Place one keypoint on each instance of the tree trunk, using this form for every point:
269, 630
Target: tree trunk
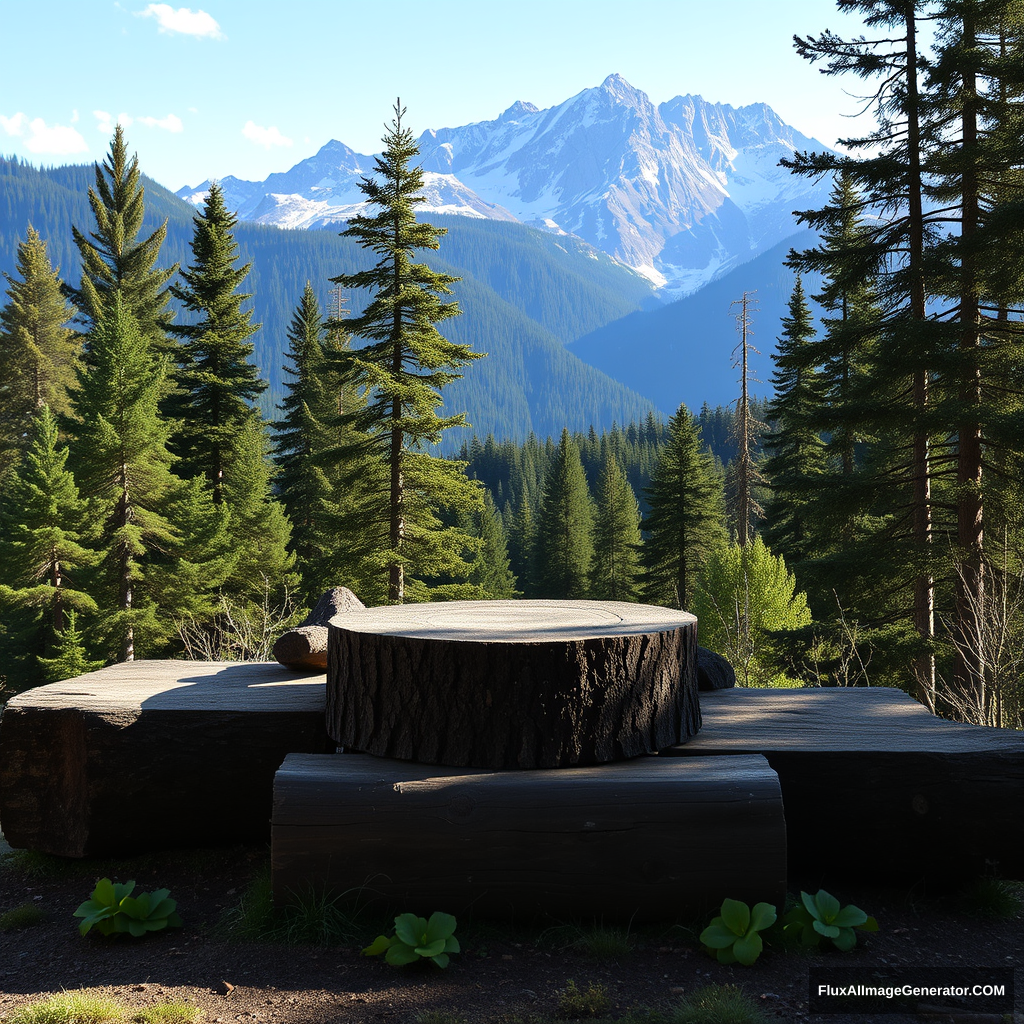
513, 684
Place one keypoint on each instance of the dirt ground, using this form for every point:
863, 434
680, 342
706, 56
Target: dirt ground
502, 976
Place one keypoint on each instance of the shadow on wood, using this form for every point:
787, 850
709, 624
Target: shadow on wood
876, 786
649, 839
152, 754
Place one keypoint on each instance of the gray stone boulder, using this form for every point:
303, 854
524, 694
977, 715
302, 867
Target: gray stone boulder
713, 671
305, 646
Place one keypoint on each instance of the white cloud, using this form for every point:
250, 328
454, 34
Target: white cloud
74, 117
265, 137
183, 20
14, 125
170, 123
105, 122
51, 140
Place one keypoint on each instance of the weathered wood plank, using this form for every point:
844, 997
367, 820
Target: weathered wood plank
874, 785
512, 684
152, 754
648, 839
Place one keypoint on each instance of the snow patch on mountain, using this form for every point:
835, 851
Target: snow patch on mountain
681, 192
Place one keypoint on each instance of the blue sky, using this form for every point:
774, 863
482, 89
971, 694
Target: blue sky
247, 87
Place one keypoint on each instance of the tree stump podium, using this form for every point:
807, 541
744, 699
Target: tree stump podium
512, 684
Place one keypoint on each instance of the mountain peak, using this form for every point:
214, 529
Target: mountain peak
517, 110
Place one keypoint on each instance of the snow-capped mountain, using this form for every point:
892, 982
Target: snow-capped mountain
681, 192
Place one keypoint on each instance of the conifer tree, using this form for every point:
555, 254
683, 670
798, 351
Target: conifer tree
402, 368
216, 381
744, 478
45, 552
615, 575
113, 257
565, 528
38, 351
258, 524
122, 460
686, 521
70, 659
796, 452
491, 572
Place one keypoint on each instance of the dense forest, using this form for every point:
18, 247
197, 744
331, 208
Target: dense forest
862, 527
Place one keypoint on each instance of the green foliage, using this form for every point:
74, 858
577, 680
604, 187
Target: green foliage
24, 916
113, 261
821, 916
70, 660
574, 1003
718, 1004
69, 1008
167, 1013
45, 549
744, 595
565, 529
403, 368
122, 461
687, 515
112, 910
733, 936
417, 938
216, 383
38, 352
615, 572
996, 898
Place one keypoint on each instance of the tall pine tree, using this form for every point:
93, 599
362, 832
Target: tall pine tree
403, 367
565, 528
216, 381
114, 259
687, 515
615, 574
38, 351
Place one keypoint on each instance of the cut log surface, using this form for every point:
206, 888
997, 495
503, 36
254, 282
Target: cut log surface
875, 785
648, 839
512, 684
151, 754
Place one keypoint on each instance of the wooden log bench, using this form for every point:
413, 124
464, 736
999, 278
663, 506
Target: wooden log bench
512, 684
648, 839
874, 785
152, 754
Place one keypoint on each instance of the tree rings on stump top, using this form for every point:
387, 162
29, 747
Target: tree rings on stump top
513, 684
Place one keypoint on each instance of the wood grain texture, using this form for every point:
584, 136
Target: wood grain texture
648, 839
152, 754
874, 785
512, 684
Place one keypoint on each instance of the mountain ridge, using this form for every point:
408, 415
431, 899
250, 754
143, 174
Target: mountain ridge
681, 192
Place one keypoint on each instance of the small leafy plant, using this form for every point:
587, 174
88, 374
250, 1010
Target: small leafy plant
821, 917
112, 910
733, 935
416, 938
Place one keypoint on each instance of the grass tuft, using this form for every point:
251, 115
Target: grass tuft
24, 916
168, 1013
994, 897
313, 917
718, 1004
574, 1003
68, 1008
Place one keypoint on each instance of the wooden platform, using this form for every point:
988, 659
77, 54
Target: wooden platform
873, 784
152, 754
639, 840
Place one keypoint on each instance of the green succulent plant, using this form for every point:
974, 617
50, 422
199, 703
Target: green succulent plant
417, 938
733, 935
821, 916
112, 910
